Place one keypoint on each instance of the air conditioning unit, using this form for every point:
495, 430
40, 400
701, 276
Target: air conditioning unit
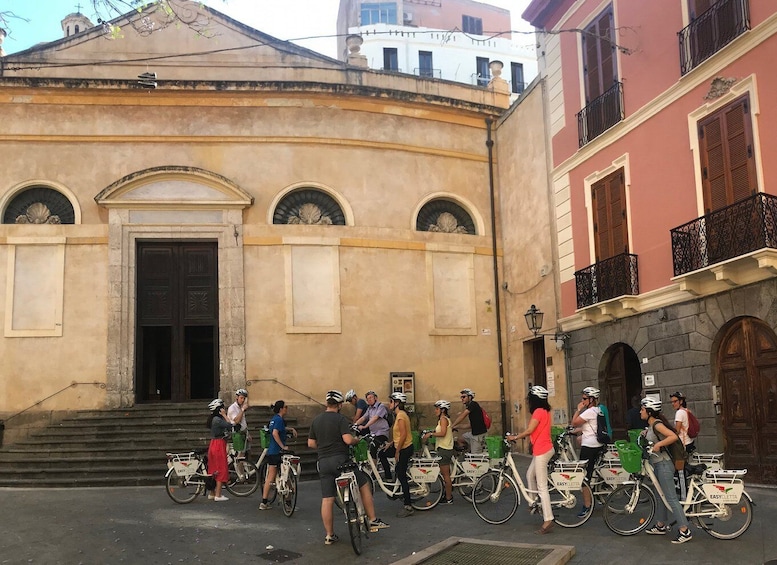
407, 17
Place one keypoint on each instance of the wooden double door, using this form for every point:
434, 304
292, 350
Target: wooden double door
177, 321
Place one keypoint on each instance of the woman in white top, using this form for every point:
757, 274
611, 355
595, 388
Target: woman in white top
681, 420
444, 442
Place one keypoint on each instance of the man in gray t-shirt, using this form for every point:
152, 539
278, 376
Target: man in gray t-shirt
375, 422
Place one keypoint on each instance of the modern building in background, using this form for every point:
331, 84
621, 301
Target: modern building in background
441, 39
664, 175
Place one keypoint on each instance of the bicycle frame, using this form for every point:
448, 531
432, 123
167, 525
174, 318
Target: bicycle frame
289, 465
460, 478
393, 489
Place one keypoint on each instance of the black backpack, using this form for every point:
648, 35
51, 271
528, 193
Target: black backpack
390, 417
601, 429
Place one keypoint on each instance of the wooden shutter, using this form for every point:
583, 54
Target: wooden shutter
698, 7
608, 198
727, 155
599, 68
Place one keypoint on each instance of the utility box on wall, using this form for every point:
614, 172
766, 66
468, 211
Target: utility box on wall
403, 382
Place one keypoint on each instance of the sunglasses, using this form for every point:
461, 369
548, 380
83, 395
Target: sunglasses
586, 397
463, 397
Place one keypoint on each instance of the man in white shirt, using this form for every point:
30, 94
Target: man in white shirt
237, 415
585, 419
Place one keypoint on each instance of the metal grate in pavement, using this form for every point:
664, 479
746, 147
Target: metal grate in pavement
466, 551
279, 555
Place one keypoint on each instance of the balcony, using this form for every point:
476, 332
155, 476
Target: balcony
608, 279
711, 31
425, 72
600, 115
733, 231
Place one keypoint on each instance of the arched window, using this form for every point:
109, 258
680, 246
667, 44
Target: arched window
444, 216
39, 205
308, 206
77, 29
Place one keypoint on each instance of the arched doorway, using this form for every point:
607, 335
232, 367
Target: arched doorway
747, 371
620, 378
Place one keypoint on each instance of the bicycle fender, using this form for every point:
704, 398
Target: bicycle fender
744, 492
170, 470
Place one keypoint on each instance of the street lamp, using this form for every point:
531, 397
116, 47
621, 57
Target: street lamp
534, 318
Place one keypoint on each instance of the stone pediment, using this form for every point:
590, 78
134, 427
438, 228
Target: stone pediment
174, 188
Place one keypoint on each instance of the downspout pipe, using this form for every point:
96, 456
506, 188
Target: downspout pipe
497, 301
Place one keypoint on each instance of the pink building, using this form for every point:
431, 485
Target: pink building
664, 176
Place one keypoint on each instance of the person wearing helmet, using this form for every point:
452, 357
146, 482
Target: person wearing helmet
584, 418
542, 450
477, 425
278, 435
359, 403
401, 448
375, 421
444, 442
330, 435
680, 404
237, 415
662, 434
219, 426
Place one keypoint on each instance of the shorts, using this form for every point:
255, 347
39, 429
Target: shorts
327, 471
274, 460
475, 441
445, 455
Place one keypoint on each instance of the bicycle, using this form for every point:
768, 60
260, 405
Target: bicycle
499, 492
287, 482
349, 498
466, 468
261, 464
716, 500
187, 475
244, 477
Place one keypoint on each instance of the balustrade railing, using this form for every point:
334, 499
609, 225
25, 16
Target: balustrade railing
712, 30
613, 277
738, 229
600, 114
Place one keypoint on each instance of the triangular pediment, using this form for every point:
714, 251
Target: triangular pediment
174, 188
200, 43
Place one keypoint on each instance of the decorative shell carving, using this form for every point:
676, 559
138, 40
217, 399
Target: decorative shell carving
719, 86
447, 223
310, 214
37, 213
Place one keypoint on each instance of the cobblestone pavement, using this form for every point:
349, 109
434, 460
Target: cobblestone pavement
142, 525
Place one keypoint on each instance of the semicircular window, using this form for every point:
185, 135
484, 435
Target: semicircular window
444, 216
308, 206
39, 205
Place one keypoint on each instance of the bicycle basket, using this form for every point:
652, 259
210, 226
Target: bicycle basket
475, 464
185, 464
264, 437
612, 472
425, 470
239, 441
360, 451
723, 486
569, 475
630, 455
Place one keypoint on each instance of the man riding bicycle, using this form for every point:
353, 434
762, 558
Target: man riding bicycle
477, 433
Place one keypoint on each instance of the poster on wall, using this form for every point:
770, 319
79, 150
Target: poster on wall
404, 382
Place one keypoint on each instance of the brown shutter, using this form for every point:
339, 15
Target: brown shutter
591, 65
608, 197
698, 7
606, 51
727, 156
599, 56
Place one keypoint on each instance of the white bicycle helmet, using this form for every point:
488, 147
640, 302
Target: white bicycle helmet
349, 395
592, 392
468, 392
335, 395
651, 403
443, 404
241, 392
398, 397
215, 403
539, 391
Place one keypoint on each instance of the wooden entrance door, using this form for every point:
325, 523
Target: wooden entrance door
177, 321
622, 380
747, 361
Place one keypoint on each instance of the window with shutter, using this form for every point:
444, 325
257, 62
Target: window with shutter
599, 63
727, 155
608, 197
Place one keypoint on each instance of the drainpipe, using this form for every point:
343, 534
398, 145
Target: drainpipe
497, 305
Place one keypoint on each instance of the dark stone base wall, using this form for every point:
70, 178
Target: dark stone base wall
680, 344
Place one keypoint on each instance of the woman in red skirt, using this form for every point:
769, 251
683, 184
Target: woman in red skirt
217, 451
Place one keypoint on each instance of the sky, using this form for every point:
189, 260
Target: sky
284, 19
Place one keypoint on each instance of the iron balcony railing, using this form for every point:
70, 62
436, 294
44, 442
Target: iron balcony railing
427, 72
613, 277
600, 115
743, 227
711, 31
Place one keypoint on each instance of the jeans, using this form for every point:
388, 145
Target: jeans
665, 474
537, 479
401, 469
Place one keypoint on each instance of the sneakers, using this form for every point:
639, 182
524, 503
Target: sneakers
329, 540
264, 506
211, 496
405, 512
447, 500
683, 536
583, 512
221, 498
378, 524
658, 530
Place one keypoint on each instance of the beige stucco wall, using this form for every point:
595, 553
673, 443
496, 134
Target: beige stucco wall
529, 268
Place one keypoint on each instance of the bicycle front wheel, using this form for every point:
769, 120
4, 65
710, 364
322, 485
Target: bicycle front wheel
425, 496
732, 522
180, 489
246, 481
289, 496
496, 497
354, 527
629, 509
568, 506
